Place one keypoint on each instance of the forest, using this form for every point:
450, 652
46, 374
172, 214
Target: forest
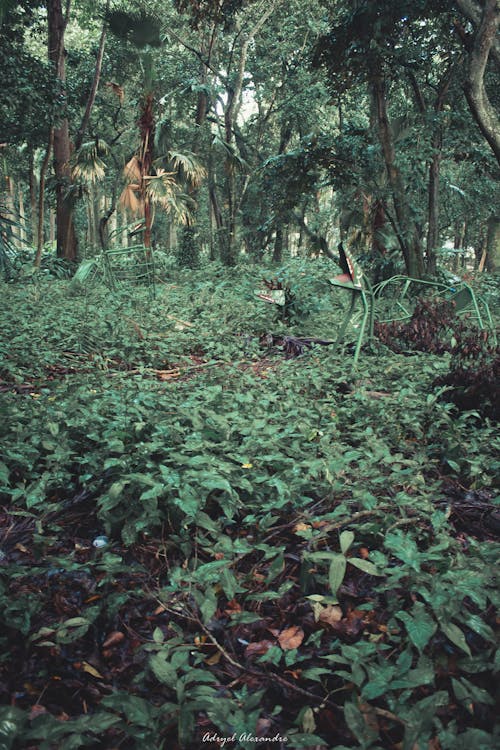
249, 374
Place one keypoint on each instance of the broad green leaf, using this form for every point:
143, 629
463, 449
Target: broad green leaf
163, 670
466, 692
365, 565
420, 626
357, 723
455, 635
346, 539
336, 573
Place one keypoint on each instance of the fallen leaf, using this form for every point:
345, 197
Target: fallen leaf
86, 667
233, 608
301, 527
330, 614
258, 648
93, 598
291, 637
113, 639
319, 524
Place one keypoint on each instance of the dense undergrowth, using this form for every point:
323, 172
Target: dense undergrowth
298, 555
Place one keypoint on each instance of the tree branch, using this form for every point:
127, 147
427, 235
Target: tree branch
474, 88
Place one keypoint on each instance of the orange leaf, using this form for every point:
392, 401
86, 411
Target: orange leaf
113, 639
301, 527
291, 637
232, 608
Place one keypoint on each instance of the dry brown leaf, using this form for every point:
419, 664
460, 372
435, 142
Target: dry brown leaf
167, 374
233, 608
258, 648
113, 639
116, 89
301, 527
330, 614
319, 524
291, 638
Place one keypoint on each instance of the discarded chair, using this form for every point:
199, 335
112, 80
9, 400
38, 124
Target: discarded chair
134, 265
357, 284
398, 292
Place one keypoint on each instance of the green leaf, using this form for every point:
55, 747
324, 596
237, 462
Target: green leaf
346, 539
466, 692
365, 565
357, 723
163, 670
455, 635
420, 626
336, 573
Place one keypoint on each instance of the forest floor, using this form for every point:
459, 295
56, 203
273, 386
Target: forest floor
208, 542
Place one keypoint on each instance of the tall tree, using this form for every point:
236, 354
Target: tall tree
67, 245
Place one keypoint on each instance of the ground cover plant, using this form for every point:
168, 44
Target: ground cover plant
203, 537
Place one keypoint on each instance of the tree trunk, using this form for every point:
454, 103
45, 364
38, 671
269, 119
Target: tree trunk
404, 225
41, 200
22, 215
475, 91
11, 209
147, 129
433, 212
67, 246
493, 244
52, 228
95, 85
278, 246
33, 200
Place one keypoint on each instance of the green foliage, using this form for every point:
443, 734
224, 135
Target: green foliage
274, 525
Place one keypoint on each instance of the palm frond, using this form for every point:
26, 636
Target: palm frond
87, 164
132, 170
130, 200
230, 154
188, 167
163, 190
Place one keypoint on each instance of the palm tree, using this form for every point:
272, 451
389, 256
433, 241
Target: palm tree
150, 179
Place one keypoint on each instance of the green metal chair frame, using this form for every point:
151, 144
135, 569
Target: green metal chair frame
360, 289
141, 272
356, 282
461, 295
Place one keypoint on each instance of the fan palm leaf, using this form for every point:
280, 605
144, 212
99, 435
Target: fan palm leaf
87, 164
188, 167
